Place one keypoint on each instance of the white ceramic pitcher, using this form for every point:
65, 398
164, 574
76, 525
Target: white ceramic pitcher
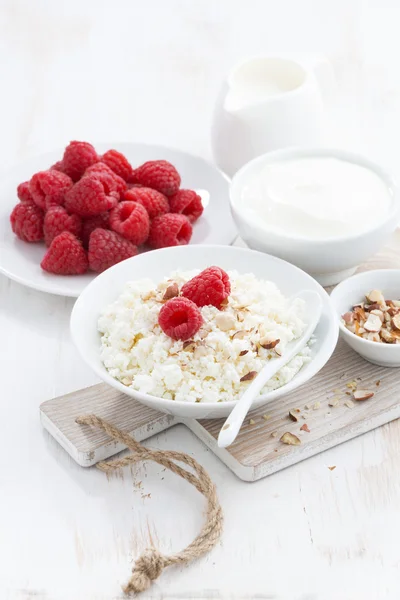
268, 103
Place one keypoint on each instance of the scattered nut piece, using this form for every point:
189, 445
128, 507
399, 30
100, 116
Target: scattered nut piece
266, 417
375, 296
317, 405
274, 434
249, 376
349, 404
171, 292
304, 427
240, 335
308, 406
396, 322
348, 318
243, 352
293, 415
332, 468
333, 401
378, 383
373, 323
363, 394
290, 439
267, 343
189, 345
252, 422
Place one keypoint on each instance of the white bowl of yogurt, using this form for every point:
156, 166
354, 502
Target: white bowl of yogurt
325, 211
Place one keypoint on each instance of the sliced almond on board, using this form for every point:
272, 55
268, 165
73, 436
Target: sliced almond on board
294, 414
304, 427
290, 439
363, 394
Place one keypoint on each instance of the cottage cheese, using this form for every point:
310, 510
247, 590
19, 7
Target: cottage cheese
135, 350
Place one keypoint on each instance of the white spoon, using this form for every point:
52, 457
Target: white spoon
232, 425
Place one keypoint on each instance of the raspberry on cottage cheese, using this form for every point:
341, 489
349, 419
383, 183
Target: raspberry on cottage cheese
214, 365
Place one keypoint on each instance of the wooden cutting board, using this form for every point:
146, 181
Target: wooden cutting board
257, 451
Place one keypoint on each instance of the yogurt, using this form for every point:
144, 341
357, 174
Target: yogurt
316, 197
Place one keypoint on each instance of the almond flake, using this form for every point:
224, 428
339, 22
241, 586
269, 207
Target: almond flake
304, 427
375, 296
363, 394
249, 376
240, 335
349, 404
266, 417
333, 401
274, 434
252, 422
171, 292
317, 405
293, 416
290, 439
332, 468
396, 322
374, 323
189, 345
268, 343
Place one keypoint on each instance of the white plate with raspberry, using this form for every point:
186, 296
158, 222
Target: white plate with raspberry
93, 209
120, 331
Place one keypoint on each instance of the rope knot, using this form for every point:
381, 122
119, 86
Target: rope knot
147, 568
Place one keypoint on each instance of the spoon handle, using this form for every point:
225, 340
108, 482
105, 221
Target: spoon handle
234, 422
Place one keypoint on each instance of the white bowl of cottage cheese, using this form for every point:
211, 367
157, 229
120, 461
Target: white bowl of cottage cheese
326, 211
117, 328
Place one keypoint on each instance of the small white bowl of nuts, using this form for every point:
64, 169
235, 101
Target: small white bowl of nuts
368, 308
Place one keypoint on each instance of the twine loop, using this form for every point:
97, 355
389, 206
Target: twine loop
151, 562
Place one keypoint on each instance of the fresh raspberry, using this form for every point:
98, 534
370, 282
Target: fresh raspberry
27, 222
100, 168
188, 203
23, 192
130, 185
169, 230
78, 156
66, 256
180, 319
58, 166
92, 195
130, 219
48, 188
118, 163
107, 248
159, 175
101, 221
211, 286
58, 220
155, 203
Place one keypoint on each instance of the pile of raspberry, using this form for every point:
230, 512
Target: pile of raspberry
180, 317
94, 211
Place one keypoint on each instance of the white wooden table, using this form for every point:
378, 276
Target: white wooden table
149, 71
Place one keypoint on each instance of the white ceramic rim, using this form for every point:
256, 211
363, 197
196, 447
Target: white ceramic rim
299, 379
294, 151
290, 59
346, 333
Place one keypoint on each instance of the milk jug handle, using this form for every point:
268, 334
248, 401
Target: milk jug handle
324, 75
